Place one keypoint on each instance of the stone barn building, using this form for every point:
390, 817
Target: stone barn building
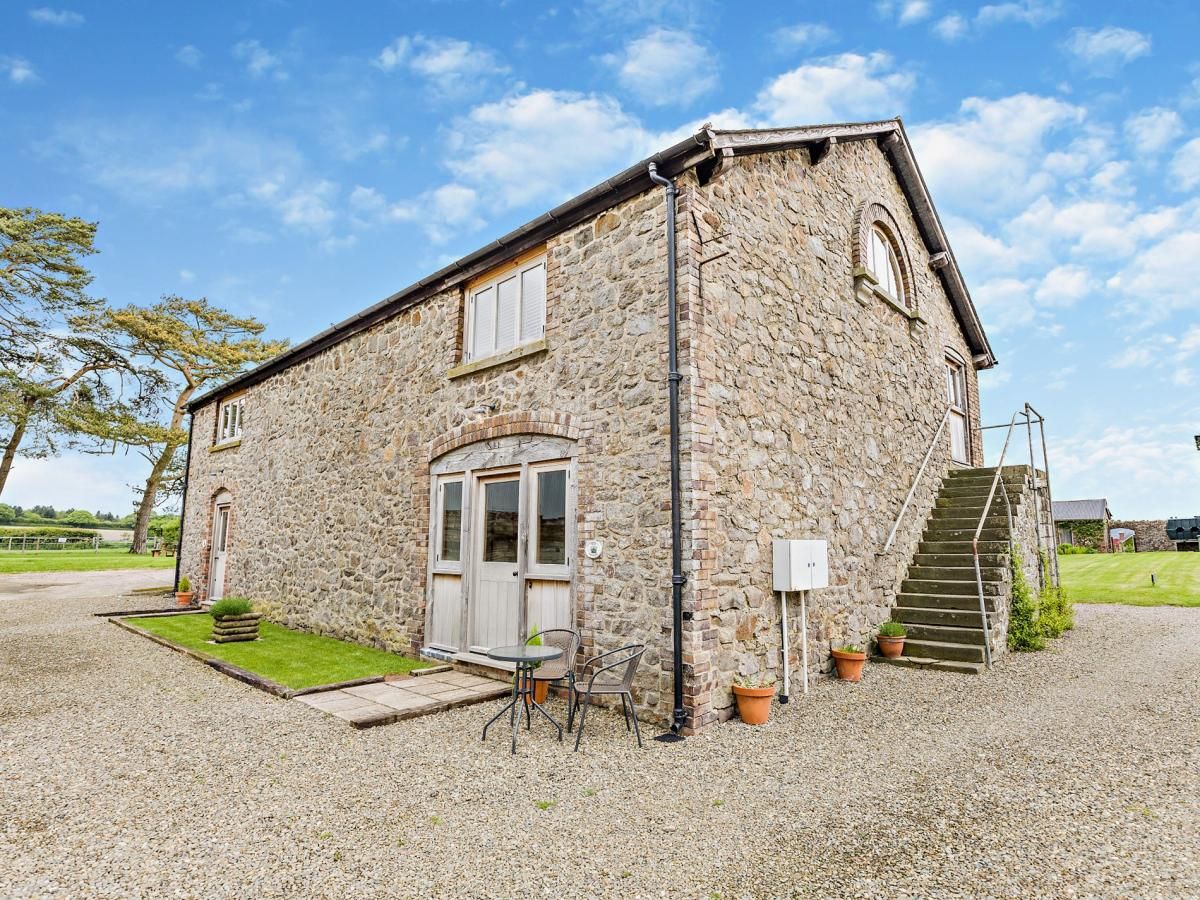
487, 451
1084, 523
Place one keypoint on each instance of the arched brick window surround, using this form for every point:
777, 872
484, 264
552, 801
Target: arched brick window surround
871, 215
503, 425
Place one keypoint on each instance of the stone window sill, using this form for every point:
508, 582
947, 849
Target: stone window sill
867, 290
498, 359
225, 445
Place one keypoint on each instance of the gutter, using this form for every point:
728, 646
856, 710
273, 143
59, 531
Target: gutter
679, 715
187, 469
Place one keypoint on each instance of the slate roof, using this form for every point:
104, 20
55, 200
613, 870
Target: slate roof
1079, 510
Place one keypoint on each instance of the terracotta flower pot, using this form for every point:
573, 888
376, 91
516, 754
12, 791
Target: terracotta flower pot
891, 647
754, 704
849, 665
541, 690
184, 598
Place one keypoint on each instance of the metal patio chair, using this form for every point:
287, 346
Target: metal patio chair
563, 668
611, 673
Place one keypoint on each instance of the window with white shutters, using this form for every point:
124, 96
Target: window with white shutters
507, 310
229, 420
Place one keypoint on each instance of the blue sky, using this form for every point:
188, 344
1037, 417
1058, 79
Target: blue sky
299, 161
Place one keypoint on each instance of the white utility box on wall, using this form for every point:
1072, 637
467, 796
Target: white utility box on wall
801, 565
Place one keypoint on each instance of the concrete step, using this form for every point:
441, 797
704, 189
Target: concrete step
935, 532
963, 560
963, 545
925, 649
934, 665
997, 519
956, 588
947, 601
909, 615
959, 568
955, 634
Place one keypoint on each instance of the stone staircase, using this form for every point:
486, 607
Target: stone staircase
938, 601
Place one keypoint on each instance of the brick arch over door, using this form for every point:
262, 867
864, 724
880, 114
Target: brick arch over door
502, 425
869, 215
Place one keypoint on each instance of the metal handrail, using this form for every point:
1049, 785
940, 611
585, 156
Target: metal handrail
916, 480
996, 479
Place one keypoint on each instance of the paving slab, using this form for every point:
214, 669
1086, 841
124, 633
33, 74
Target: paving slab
367, 705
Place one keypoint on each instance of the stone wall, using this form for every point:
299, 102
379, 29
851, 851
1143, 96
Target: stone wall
805, 413
1149, 534
820, 408
330, 481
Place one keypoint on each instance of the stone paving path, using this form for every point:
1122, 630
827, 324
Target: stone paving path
391, 701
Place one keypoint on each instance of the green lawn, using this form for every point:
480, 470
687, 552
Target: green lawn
79, 561
1125, 578
294, 659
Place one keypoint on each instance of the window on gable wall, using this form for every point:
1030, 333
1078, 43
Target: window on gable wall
229, 420
507, 310
885, 266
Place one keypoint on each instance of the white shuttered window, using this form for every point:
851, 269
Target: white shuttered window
508, 310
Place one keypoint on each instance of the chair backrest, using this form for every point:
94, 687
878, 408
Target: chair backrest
627, 657
565, 639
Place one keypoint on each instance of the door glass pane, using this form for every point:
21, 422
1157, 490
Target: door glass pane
451, 549
552, 518
483, 323
222, 528
500, 521
506, 315
533, 302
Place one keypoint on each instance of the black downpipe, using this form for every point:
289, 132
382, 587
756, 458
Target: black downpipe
187, 468
677, 578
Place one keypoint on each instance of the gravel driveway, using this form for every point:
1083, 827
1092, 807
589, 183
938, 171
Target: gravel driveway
129, 770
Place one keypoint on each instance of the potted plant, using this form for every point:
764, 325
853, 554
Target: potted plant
234, 620
541, 689
754, 694
183, 596
891, 639
849, 660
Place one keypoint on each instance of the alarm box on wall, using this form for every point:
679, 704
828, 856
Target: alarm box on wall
801, 565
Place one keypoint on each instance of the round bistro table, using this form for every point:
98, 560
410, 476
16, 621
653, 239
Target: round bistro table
527, 658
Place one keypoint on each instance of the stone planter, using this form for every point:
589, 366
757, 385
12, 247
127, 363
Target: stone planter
230, 629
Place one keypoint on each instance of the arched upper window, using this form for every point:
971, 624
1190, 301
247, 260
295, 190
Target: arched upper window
881, 266
885, 265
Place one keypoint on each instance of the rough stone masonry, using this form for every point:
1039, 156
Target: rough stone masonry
807, 409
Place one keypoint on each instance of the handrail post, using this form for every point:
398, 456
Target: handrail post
1049, 495
1037, 507
987, 628
916, 480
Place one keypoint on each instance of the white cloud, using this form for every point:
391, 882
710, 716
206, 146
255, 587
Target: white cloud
260, 62
333, 244
1162, 277
1185, 165
994, 153
1137, 355
665, 67
1027, 12
394, 54
1105, 50
848, 86
905, 12
805, 35
1130, 464
951, 27
60, 18
17, 70
187, 275
1005, 303
189, 56
1066, 285
1152, 130
452, 68
366, 200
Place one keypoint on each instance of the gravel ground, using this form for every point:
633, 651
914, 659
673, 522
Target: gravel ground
129, 770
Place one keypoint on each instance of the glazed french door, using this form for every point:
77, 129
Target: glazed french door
494, 612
